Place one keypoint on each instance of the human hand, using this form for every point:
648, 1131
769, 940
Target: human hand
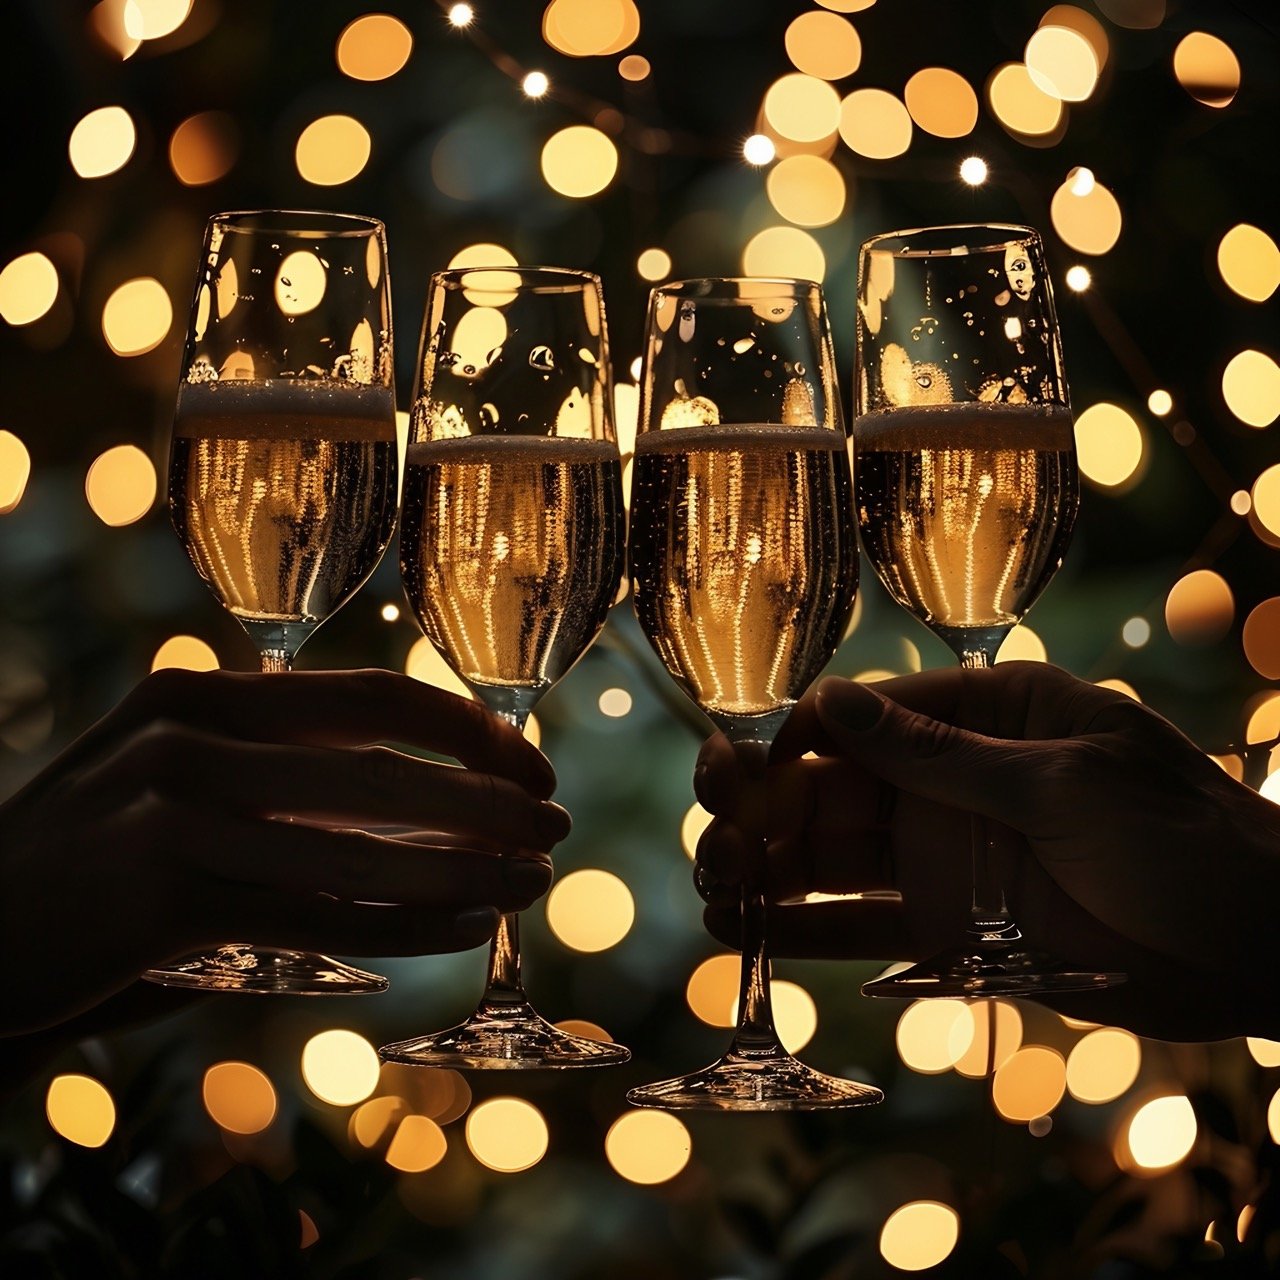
214, 806
1120, 844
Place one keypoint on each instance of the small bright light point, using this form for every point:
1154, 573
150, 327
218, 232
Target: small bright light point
80, 1109
340, 1067
648, 1147
1080, 180
1161, 1133
758, 149
238, 1097
535, 84
635, 369
919, 1235
1160, 403
614, 703
1136, 632
1241, 502
461, 15
507, 1134
654, 264
973, 170
1078, 278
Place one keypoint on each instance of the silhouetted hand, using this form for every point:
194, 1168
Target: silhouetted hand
1120, 844
217, 807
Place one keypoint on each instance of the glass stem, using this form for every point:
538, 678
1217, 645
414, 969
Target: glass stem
989, 918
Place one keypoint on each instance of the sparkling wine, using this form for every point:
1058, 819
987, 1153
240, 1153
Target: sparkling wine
966, 509
744, 561
511, 551
284, 491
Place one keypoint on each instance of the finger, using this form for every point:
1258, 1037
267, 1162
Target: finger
367, 786
717, 775
336, 709
871, 929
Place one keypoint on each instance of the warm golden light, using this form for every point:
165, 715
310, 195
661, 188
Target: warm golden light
823, 45
758, 149
933, 1035
942, 102
371, 1121
373, 47
654, 264
1103, 1064
590, 28
424, 663
634, 68
1020, 104
461, 15
806, 189
1136, 632
102, 142
695, 822
648, 1147
1207, 69
1088, 223
784, 252
875, 124
1067, 15
1062, 62
507, 1134
1078, 278
1161, 1133
1265, 499
107, 20
802, 108
15, 471
80, 1109
1109, 445
535, 84
332, 150
203, 148
919, 1235
973, 170
1241, 502
1266, 1053
419, 1144
153, 19
28, 288
1022, 644
1262, 638
340, 1067
1030, 1084
581, 1027
1120, 686
1251, 388
1160, 403
579, 161
795, 1016
300, 282
1249, 262
186, 653
712, 990
979, 1059
590, 910
846, 6
137, 317
614, 703
1200, 608
1263, 723
121, 485
238, 1097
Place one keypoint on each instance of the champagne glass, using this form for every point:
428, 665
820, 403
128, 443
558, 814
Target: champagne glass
511, 547
744, 566
967, 491
282, 470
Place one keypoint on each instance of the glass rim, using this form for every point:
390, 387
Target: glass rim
298, 222
716, 288
531, 279
996, 237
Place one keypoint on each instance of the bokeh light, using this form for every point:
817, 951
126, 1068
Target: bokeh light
1062, 62
941, 102
15, 471
535, 84
648, 1147
1020, 104
802, 108
423, 662
634, 68
203, 148
806, 189
238, 1097
758, 149
1200, 608
933, 1035
1103, 1064
186, 653
1264, 499
579, 161
614, 703
795, 1016
507, 1134
419, 1144
653, 264
28, 288
823, 45
373, 47
461, 15
1159, 1135
154, 19
973, 170
784, 252
875, 124
1207, 68
373, 1122
340, 1067
121, 485
590, 28
696, 820
919, 1235
1263, 719
1088, 223
1251, 388
983, 1055
1266, 1053
1138, 15
1078, 278
1079, 20
332, 150
1022, 644
1160, 402
1029, 1084
1262, 638
1109, 446
137, 317
1119, 686
1249, 262
102, 142
79, 1109
1136, 632
712, 989
590, 910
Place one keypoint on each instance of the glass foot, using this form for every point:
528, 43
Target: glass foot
990, 969
505, 1037
254, 970
740, 1083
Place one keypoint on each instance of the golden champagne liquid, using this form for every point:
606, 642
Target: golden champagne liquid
966, 510
744, 559
283, 492
511, 552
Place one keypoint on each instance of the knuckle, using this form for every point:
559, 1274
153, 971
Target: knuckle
383, 768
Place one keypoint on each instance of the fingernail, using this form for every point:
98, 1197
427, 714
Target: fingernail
552, 822
479, 923
526, 875
850, 704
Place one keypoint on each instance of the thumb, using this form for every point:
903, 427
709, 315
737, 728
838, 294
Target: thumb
995, 777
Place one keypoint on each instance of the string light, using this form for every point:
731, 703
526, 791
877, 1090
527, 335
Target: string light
535, 84
973, 170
